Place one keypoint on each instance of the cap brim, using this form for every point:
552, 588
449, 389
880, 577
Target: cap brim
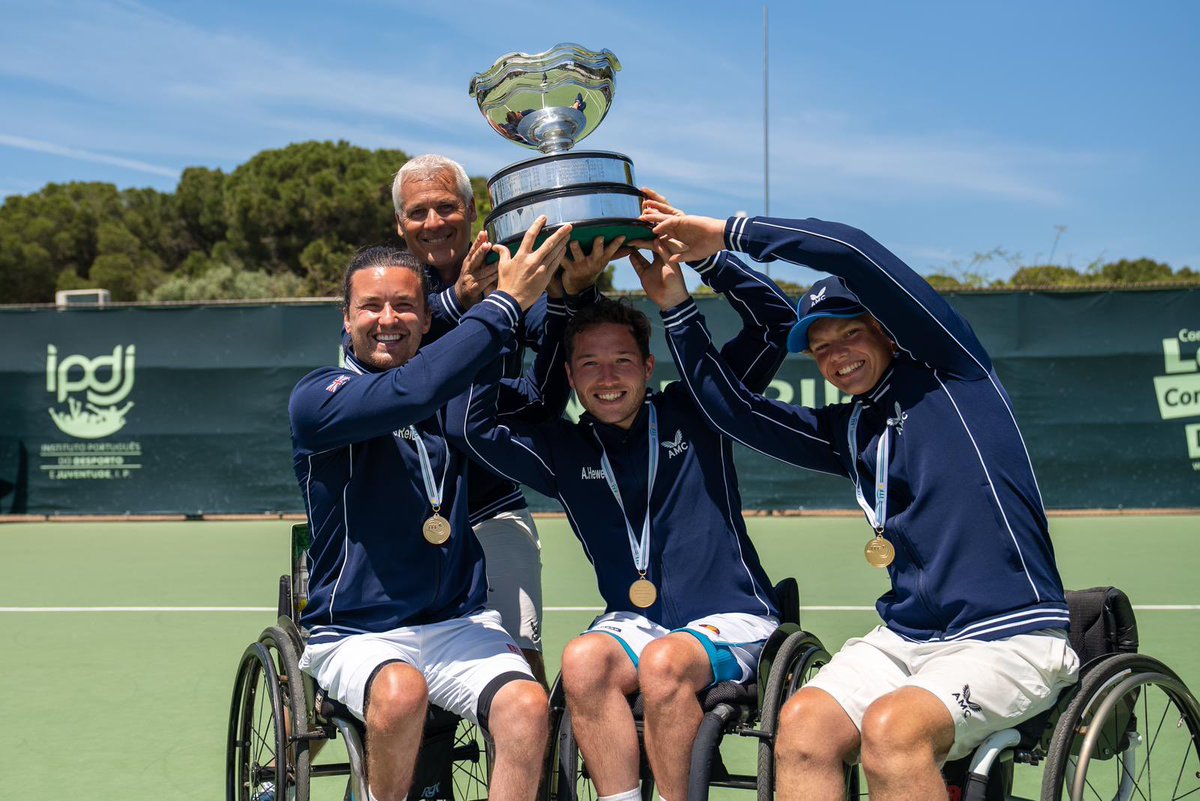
797, 341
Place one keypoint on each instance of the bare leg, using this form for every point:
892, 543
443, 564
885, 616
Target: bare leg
671, 671
815, 740
518, 722
395, 721
597, 676
905, 736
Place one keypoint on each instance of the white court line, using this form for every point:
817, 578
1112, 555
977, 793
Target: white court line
67, 609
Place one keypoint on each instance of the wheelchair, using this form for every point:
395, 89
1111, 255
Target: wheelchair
790, 656
1128, 729
279, 719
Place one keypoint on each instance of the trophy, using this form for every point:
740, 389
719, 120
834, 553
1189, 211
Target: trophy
548, 102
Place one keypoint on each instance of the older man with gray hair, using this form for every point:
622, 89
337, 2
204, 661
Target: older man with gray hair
435, 210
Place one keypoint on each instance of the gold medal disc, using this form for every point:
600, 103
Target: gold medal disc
879, 552
436, 530
643, 593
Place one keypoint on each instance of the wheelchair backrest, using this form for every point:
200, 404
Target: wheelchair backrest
1102, 623
293, 589
787, 598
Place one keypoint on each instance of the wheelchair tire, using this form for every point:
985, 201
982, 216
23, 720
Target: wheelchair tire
572, 781
799, 657
257, 746
1131, 729
297, 709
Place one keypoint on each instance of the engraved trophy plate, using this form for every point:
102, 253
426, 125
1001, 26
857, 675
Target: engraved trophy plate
550, 101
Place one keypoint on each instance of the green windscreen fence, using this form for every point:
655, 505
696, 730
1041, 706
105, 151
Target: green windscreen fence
184, 410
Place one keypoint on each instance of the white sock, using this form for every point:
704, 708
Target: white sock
629, 795
371, 796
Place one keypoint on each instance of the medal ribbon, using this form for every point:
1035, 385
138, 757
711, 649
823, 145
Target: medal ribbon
877, 516
433, 493
640, 550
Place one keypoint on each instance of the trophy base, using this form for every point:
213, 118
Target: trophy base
585, 232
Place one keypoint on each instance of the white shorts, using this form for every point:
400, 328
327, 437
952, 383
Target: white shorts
514, 573
733, 641
459, 659
986, 685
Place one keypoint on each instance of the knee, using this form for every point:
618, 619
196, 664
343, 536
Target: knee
813, 728
396, 698
895, 732
665, 670
588, 664
520, 710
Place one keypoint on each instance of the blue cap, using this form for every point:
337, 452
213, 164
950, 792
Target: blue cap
829, 297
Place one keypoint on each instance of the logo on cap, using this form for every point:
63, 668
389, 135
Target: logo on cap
820, 296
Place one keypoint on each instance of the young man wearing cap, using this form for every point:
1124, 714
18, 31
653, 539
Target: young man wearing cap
974, 634
651, 492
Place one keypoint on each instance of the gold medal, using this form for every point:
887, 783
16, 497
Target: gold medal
643, 593
436, 530
879, 552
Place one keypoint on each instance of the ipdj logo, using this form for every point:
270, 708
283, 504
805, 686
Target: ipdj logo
104, 381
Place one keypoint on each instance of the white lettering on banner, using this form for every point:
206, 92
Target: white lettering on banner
100, 417
1186, 335
1178, 396
1193, 440
1172, 360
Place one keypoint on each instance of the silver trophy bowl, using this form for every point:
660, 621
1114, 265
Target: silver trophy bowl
548, 102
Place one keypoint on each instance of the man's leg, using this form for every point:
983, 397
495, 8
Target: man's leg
671, 671
906, 736
815, 740
514, 570
597, 675
518, 724
395, 716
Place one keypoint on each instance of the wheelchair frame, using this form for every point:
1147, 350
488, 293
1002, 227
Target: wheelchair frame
278, 711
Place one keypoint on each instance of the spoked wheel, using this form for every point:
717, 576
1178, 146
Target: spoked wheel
471, 762
799, 658
1131, 731
264, 761
257, 745
573, 782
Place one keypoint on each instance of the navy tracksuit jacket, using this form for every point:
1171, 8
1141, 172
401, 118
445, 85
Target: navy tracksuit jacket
964, 512
370, 568
701, 559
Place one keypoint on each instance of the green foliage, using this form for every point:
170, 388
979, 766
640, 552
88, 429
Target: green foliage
225, 281
287, 221
278, 204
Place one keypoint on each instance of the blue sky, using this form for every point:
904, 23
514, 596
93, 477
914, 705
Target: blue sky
944, 129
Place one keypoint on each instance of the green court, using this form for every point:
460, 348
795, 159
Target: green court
120, 640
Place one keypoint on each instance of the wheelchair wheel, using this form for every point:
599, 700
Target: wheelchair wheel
1131, 730
263, 760
471, 766
799, 657
572, 782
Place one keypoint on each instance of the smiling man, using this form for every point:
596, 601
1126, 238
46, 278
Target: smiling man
651, 492
974, 635
395, 616
435, 209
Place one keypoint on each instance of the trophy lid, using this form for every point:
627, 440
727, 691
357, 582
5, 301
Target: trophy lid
547, 101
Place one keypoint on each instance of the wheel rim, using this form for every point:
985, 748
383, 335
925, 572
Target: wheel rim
1139, 741
260, 742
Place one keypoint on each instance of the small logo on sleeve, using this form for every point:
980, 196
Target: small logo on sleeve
337, 383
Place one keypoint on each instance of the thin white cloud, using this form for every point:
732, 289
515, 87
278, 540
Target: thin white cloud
21, 143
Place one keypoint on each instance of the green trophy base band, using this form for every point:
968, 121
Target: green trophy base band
584, 233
